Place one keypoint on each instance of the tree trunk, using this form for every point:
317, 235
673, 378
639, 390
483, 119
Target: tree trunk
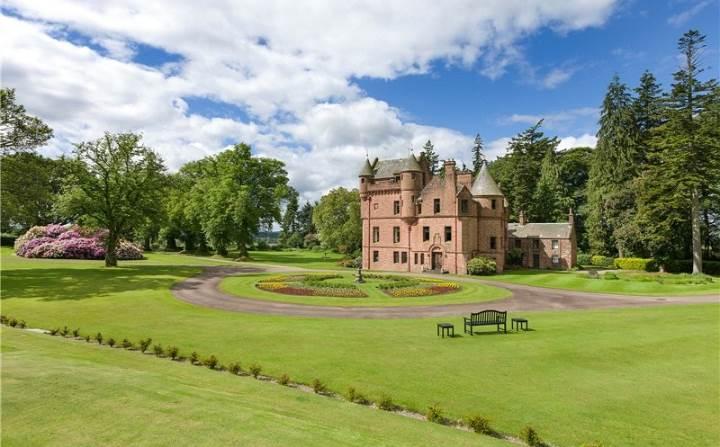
147, 244
170, 243
189, 243
221, 250
111, 246
242, 248
696, 236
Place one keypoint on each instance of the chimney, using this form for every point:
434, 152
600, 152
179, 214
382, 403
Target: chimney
571, 217
521, 218
449, 167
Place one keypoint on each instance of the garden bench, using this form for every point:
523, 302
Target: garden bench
486, 318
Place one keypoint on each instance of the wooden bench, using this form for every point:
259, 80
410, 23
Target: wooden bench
486, 318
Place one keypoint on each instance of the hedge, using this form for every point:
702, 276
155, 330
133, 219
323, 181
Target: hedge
601, 261
685, 266
481, 266
584, 259
645, 264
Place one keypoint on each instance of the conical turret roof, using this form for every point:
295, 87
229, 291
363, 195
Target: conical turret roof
484, 184
411, 164
367, 170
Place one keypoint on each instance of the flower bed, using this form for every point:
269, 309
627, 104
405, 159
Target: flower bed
70, 242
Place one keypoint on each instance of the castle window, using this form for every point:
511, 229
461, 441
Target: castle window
404, 257
493, 242
376, 256
422, 258
426, 234
396, 207
362, 180
396, 257
396, 234
518, 243
536, 244
416, 258
493, 204
436, 206
555, 244
397, 178
464, 206
448, 234
419, 208
556, 259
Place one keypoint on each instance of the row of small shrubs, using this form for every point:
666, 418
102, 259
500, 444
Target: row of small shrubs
434, 412
644, 264
602, 261
482, 266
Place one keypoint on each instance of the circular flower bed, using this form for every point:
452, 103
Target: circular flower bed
70, 242
332, 285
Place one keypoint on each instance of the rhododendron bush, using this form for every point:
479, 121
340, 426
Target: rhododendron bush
70, 242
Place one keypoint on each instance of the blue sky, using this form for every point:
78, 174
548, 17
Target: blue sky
318, 85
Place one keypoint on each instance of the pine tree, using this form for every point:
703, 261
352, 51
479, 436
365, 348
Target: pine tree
683, 174
550, 203
431, 156
477, 153
613, 168
648, 110
289, 224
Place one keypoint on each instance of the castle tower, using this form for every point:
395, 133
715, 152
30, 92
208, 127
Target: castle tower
410, 181
492, 218
366, 174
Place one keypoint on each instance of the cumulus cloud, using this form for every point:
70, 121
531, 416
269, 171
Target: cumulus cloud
584, 140
290, 65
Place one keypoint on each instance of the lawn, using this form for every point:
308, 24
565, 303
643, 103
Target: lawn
629, 283
643, 376
299, 258
469, 293
60, 392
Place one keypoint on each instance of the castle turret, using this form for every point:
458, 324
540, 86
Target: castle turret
366, 174
410, 179
487, 193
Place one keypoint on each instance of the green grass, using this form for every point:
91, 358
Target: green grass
633, 284
469, 293
299, 258
62, 392
636, 376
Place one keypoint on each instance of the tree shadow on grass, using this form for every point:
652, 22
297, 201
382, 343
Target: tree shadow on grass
77, 284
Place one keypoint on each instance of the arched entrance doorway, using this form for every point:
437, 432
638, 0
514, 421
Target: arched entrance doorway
436, 259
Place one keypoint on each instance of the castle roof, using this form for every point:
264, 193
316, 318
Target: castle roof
388, 168
367, 170
560, 230
484, 184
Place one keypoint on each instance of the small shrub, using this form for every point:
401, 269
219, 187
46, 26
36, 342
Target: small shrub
194, 358
610, 275
355, 396
172, 352
145, 344
479, 424
234, 368
211, 362
481, 266
435, 414
158, 350
111, 342
76, 333
54, 331
126, 344
21, 324
12, 322
64, 331
644, 264
318, 387
386, 403
601, 261
514, 256
99, 338
255, 370
3, 319
284, 380
529, 436
87, 338
584, 259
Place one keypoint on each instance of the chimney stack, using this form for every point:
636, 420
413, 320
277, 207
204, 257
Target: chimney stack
522, 220
571, 217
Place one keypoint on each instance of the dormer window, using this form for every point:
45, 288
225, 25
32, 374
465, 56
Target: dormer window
436, 206
397, 179
464, 206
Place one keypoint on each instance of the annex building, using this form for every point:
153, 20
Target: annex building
415, 221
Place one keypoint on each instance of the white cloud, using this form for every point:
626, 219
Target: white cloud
289, 64
556, 76
683, 17
584, 140
561, 120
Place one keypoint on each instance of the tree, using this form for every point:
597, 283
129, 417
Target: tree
647, 106
614, 166
289, 222
550, 202
19, 131
116, 183
337, 218
683, 173
306, 228
574, 166
477, 154
431, 157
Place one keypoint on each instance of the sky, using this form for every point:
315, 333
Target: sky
319, 84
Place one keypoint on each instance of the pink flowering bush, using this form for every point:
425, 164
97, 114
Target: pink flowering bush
70, 242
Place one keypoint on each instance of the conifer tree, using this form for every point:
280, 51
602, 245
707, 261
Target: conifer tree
683, 175
477, 153
431, 156
550, 203
613, 168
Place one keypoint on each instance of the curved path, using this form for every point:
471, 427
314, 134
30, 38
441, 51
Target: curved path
203, 290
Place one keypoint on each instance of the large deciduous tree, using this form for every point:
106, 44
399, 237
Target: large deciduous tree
116, 183
19, 131
337, 218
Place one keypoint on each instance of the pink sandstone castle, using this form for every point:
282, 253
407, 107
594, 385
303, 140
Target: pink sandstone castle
415, 221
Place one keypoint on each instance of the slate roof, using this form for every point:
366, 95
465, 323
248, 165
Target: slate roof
484, 184
389, 168
560, 230
366, 170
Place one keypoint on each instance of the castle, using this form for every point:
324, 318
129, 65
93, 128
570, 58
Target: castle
415, 221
